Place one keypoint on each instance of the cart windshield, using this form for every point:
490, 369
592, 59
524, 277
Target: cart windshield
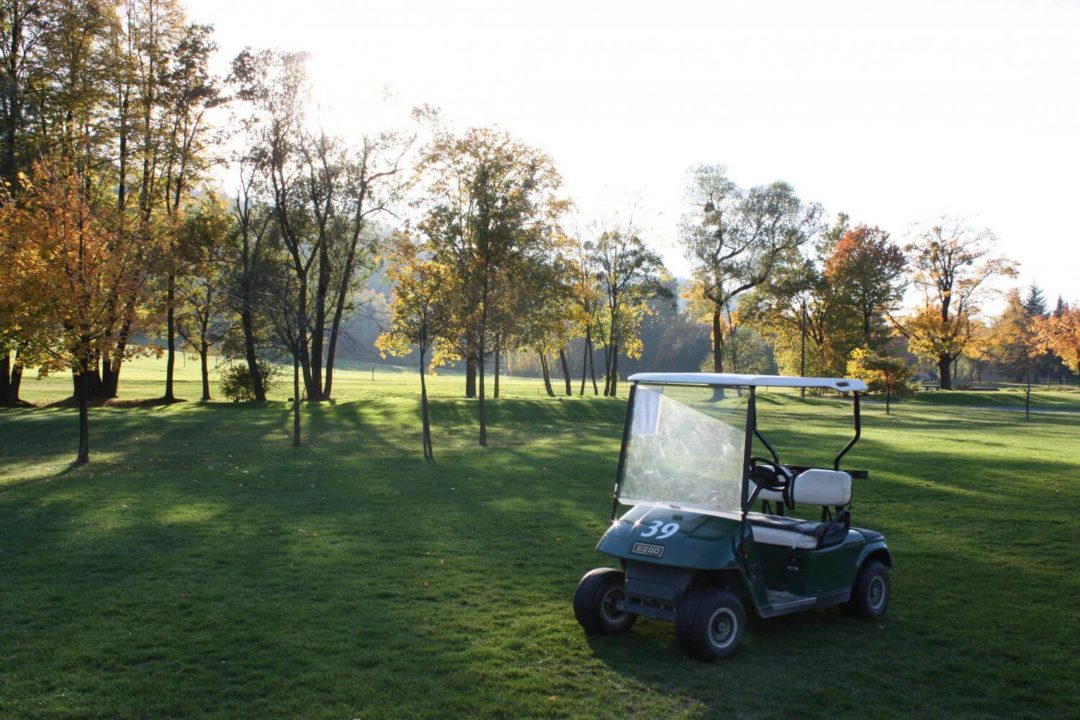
686, 448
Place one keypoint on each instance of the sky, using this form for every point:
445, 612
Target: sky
895, 113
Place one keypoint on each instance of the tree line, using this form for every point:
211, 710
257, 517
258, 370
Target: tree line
118, 237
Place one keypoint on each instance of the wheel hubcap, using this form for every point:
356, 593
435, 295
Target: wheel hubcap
722, 627
609, 605
877, 593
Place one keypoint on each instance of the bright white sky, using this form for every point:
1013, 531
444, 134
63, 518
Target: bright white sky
892, 112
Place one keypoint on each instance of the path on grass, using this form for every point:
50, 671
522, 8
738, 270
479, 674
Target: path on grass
995, 408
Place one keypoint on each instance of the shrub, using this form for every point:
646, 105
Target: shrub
236, 380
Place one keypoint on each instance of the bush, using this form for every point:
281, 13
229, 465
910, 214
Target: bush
236, 380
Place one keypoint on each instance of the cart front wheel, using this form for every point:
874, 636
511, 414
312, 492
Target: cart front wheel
710, 623
870, 595
597, 600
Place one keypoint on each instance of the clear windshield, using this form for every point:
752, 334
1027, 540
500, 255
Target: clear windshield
686, 447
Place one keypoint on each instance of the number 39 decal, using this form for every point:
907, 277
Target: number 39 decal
661, 530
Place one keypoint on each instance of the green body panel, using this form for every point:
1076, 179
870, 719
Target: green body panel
667, 537
702, 542
812, 572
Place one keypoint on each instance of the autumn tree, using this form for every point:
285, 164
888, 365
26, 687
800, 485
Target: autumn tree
881, 373
952, 265
1014, 342
419, 310
202, 317
628, 273
734, 237
866, 271
585, 292
1059, 333
805, 315
63, 265
489, 206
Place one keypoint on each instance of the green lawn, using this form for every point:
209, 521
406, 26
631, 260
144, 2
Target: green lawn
202, 567
1043, 398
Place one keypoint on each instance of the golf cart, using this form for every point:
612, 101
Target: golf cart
693, 550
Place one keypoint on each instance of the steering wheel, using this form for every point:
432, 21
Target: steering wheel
770, 475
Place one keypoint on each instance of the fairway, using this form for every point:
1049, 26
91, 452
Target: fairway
202, 567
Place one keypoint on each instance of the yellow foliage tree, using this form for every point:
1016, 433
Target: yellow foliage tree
419, 309
61, 272
952, 265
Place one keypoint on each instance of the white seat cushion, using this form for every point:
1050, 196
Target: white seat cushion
822, 487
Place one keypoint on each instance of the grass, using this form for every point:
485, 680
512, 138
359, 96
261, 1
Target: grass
201, 567
1043, 398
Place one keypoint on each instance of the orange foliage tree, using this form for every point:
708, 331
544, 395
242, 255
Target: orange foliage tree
1060, 334
62, 269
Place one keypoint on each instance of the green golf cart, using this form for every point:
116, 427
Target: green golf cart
708, 535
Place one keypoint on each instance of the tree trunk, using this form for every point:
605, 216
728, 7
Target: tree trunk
584, 362
614, 376
592, 368
15, 383
718, 342
470, 375
944, 372
429, 452
205, 350
611, 350
546, 373
5, 379
83, 455
296, 397
1027, 397
498, 360
249, 354
888, 396
10, 380
565, 371
170, 338
483, 408
802, 347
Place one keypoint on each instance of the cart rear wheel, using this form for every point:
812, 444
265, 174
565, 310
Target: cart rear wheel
870, 595
596, 602
710, 623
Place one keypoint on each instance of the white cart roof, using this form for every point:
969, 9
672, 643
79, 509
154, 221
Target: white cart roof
841, 384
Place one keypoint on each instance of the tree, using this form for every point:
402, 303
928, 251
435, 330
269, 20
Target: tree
734, 238
62, 268
628, 274
586, 301
1034, 302
1014, 342
865, 269
490, 205
881, 373
201, 318
245, 254
953, 267
24, 25
419, 310
324, 194
806, 314
1060, 334
188, 93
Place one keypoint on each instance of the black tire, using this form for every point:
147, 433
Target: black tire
595, 602
870, 594
710, 623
